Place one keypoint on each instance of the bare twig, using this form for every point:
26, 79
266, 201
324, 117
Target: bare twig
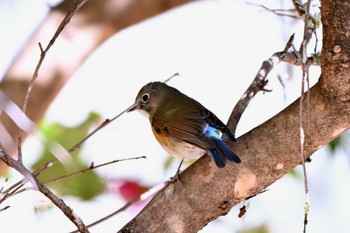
144, 196
4, 208
92, 167
79, 144
279, 12
10, 192
76, 6
258, 84
308, 32
260, 80
174, 75
15, 189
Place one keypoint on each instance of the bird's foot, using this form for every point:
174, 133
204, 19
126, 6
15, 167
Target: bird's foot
176, 177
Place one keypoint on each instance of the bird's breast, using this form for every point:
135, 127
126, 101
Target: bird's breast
177, 148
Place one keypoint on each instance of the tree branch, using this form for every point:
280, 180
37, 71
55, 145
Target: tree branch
335, 52
258, 84
260, 79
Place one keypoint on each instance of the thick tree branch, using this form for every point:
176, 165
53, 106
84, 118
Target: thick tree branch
336, 50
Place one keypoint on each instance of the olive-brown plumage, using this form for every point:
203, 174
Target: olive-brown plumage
183, 127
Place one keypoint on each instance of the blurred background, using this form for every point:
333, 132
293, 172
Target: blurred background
216, 46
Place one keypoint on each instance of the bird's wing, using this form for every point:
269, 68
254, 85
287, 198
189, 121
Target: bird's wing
195, 129
185, 127
212, 120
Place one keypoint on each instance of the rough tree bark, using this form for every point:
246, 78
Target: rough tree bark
94, 23
268, 152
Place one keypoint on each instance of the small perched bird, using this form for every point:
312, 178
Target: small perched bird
182, 126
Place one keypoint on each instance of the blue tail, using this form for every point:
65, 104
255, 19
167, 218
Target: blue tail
221, 153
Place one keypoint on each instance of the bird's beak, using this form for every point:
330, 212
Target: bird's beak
132, 107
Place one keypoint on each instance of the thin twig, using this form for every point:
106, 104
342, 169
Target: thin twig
17, 189
260, 80
4, 208
76, 6
149, 193
308, 32
174, 75
92, 167
79, 144
279, 12
11, 192
257, 85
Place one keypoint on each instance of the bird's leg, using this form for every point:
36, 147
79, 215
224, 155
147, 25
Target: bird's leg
177, 174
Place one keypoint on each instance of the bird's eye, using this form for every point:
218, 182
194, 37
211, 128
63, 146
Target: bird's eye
145, 98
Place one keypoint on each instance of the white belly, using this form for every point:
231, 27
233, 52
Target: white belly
182, 150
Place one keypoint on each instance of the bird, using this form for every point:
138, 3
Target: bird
183, 126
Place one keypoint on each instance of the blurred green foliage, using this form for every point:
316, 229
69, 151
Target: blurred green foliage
259, 229
334, 145
85, 185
